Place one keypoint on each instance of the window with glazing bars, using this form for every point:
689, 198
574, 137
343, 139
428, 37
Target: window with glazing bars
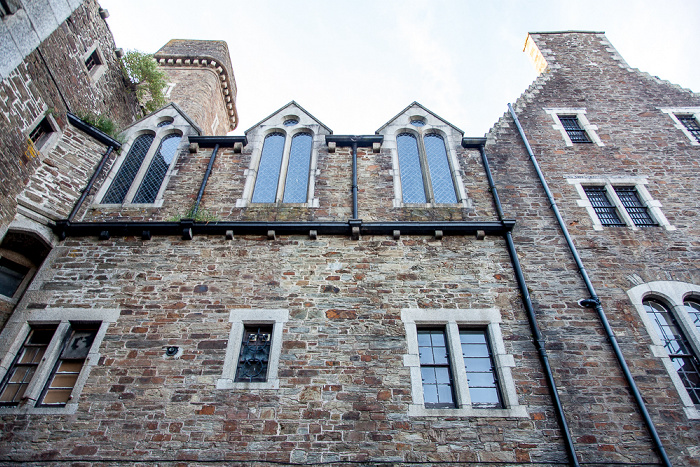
684, 359
426, 176
40, 131
637, 211
482, 378
296, 184
573, 129
128, 170
66, 370
693, 309
93, 60
11, 276
150, 186
435, 369
255, 354
690, 124
22, 369
601, 205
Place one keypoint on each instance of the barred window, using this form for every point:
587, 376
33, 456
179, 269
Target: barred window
573, 129
601, 205
254, 356
690, 124
637, 211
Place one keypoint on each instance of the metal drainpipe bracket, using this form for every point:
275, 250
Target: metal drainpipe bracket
186, 226
355, 227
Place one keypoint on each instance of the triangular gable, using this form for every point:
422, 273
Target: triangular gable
416, 104
174, 106
278, 111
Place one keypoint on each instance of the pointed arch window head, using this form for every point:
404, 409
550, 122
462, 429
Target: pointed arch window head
150, 185
269, 169
297, 183
424, 166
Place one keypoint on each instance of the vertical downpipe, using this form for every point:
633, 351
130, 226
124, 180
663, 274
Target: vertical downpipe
205, 180
354, 180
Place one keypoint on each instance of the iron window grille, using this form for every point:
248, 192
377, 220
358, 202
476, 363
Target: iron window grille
24, 365
573, 129
254, 357
426, 176
691, 125
634, 207
66, 370
93, 60
676, 344
482, 379
436, 374
602, 206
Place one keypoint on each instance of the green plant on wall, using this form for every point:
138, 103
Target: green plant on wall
202, 215
149, 82
102, 123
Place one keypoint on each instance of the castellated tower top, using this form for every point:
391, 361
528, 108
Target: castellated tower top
564, 49
201, 82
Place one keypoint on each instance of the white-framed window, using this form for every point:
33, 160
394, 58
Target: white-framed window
47, 357
574, 126
458, 364
94, 62
140, 175
254, 348
668, 310
619, 201
686, 119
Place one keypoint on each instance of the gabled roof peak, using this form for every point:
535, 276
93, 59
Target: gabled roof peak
417, 104
291, 103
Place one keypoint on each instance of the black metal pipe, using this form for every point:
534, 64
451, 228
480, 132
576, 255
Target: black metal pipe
529, 309
205, 180
354, 180
591, 290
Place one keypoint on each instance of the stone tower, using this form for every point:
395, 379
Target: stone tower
201, 82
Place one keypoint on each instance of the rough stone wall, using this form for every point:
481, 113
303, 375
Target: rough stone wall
344, 390
584, 71
49, 79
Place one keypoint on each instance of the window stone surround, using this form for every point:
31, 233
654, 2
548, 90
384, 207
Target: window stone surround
583, 122
672, 294
674, 111
452, 319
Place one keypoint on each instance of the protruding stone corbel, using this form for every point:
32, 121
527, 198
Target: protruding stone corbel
397, 234
194, 147
271, 235
438, 235
376, 147
480, 234
237, 148
229, 235
313, 234
331, 147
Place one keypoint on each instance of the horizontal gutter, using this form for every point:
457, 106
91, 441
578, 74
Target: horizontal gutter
100, 136
362, 141
188, 228
222, 141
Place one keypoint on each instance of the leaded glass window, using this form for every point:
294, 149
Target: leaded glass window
254, 357
676, 344
435, 369
601, 205
693, 309
573, 129
637, 211
128, 170
65, 373
439, 166
296, 185
24, 366
481, 372
412, 185
690, 124
265, 190
156, 171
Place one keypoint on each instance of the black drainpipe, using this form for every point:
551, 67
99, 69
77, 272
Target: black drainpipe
594, 301
354, 180
204, 181
102, 138
529, 309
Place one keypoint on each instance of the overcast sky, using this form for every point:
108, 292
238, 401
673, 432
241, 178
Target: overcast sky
356, 64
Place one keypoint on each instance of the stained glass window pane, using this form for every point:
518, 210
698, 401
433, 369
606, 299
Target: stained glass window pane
296, 185
440, 175
125, 177
676, 344
412, 186
265, 190
156, 171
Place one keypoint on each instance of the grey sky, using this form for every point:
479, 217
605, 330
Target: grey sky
355, 64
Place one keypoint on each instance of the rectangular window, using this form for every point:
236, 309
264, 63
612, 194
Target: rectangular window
601, 205
92, 60
70, 362
481, 371
637, 211
573, 129
11, 276
254, 356
691, 125
22, 370
41, 131
435, 369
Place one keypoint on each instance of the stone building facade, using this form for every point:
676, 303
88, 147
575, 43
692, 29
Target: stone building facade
294, 296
